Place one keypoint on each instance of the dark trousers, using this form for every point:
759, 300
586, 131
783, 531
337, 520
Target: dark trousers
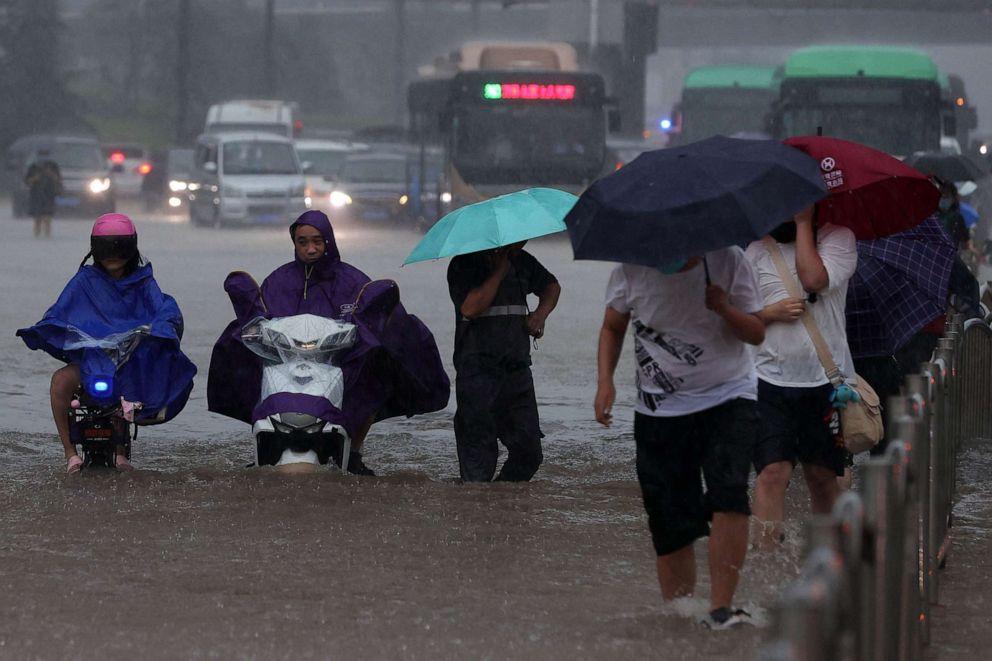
496, 404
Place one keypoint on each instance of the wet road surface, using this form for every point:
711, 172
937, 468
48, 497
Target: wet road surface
196, 556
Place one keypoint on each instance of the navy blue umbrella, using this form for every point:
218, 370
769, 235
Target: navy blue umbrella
671, 204
900, 285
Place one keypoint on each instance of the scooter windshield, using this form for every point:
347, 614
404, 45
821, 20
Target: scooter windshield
299, 352
118, 347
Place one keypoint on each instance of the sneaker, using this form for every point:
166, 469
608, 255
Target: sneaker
726, 618
357, 467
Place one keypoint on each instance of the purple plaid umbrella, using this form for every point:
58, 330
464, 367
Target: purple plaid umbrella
900, 285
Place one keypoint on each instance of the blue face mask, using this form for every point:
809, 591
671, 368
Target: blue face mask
674, 266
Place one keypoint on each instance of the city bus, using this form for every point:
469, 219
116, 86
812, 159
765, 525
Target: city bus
887, 97
724, 100
502, 130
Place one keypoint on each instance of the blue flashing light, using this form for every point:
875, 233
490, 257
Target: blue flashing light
100, 386
665, 124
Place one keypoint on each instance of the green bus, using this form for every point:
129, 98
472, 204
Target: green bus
725, 100
884, 96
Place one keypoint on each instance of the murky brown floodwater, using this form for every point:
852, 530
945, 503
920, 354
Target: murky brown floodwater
196, 556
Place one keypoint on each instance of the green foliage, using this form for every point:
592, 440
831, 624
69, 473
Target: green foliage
35, 98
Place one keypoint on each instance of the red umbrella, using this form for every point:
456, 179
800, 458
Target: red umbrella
869, 191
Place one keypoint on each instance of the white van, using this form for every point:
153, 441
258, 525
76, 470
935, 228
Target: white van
279, 117
246, 178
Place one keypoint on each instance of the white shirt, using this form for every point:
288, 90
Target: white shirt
687, 357
787, 357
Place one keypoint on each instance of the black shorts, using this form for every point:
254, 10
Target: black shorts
799, 424
671, 454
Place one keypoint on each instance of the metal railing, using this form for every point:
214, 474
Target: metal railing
871, 572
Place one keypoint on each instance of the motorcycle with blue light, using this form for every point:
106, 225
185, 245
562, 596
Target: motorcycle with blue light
101, 421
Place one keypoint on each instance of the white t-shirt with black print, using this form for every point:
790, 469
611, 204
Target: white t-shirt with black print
787, 357
687, 357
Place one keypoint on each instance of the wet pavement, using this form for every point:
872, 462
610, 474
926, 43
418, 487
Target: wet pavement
196, 556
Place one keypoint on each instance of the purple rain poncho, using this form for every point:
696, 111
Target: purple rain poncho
393, 369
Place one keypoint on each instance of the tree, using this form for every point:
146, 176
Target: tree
35, 96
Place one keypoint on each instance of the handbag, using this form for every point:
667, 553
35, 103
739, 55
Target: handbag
861, 419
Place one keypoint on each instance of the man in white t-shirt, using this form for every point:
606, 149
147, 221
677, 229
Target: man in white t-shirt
695, 413
798, 420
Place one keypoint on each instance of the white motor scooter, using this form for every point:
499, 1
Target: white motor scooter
298, 359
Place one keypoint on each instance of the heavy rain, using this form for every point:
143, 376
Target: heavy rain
210, 126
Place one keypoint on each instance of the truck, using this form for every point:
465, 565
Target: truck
255, 115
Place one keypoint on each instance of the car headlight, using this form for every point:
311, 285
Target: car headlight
101, 185
446, 197
404, 199
339, 199
175, 185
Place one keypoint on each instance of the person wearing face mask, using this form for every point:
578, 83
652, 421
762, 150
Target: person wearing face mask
798, 419
695, 415
949, 212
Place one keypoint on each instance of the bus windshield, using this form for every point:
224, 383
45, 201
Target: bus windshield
259, 157
536, 144
892, 118
723, 112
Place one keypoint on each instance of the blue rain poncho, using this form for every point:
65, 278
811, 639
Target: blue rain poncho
95, 313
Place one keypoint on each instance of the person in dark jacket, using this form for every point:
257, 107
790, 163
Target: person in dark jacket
44, 184
494, 388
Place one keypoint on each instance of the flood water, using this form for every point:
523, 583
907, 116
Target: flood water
196, 556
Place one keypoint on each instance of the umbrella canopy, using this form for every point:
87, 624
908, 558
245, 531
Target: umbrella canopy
496, 222
671, 204
899, 286
949, 167
871, 192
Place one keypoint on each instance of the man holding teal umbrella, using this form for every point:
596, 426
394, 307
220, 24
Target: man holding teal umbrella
489, 280
494, 388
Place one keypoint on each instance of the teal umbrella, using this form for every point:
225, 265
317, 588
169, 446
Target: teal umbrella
495, 222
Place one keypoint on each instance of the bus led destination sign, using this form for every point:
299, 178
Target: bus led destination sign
528, 91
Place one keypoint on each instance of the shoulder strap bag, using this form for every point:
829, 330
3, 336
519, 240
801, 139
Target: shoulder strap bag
860, 419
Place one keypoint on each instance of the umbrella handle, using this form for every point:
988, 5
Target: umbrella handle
706, 268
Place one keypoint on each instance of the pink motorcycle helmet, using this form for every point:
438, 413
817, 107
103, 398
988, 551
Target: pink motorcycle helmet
113, 224
113, 236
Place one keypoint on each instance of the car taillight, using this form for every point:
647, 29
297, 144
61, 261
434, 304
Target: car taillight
117, 157
144, 168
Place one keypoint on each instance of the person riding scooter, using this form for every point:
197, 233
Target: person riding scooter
113, 301
392, 368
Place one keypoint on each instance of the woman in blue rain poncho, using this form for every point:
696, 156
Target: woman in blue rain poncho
104, 302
